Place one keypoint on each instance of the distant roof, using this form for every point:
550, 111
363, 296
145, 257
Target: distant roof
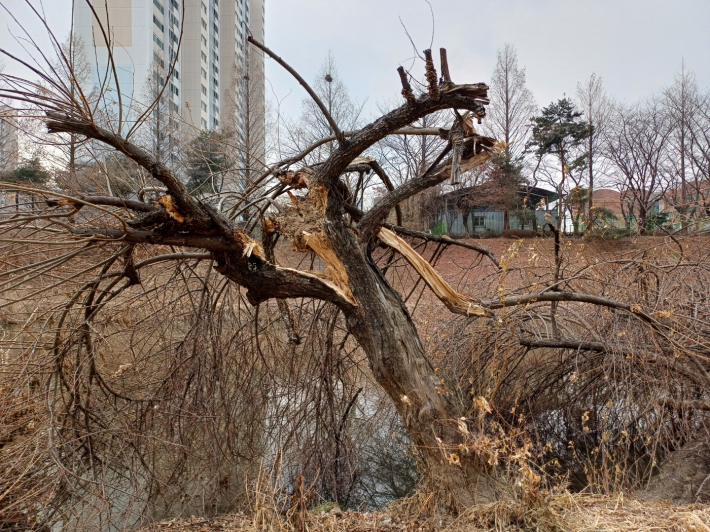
483, 191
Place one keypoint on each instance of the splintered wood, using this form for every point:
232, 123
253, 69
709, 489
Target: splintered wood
297, 179
250, 246
455, 301
466, 164
318, 243
302, 225
167, 202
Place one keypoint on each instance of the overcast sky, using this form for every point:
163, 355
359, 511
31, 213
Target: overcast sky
636, 46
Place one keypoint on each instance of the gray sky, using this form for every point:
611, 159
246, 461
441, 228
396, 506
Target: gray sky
635, 45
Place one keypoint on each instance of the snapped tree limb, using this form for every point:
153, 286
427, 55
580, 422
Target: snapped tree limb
455, 301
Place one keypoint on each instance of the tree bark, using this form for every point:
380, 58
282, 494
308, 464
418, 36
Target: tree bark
385, 331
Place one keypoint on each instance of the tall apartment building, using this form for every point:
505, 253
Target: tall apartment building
217, 80
9, 152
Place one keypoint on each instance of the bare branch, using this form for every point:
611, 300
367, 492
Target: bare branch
474, 153
571, 296
338, 134
406, 87
456, 302
445, 68
110, 201
442, 240
187, 206
431, 76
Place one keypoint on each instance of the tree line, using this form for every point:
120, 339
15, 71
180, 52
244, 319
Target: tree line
654, 152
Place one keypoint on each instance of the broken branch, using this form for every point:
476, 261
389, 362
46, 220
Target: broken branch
455, 301
442, 240
406, 87
446, 77
431, 77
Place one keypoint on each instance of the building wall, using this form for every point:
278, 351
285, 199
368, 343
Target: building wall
214, 60
9, 147
213, 54
137, 34
481, 221
195, 104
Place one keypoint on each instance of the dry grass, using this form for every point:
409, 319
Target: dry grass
170, 345
564, 513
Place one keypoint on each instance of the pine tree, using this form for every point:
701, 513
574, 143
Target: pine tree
560, 131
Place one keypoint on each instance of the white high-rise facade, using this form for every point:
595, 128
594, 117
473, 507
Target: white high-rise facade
9, 147
212, 70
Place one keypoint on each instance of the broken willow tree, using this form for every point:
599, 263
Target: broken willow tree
324, 221
319, 215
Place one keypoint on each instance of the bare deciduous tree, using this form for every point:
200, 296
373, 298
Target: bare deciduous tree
687, 110
597, 109
638, 149
512, 103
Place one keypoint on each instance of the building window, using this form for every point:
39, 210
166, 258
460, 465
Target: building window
158, 23
159, 6
204, 41
204, 73
215, 82
204, 106
204, 8
175, 5
204, 24
157, 41
215, 95
204, 123
479, 221
204, 57
204, 90
158, 60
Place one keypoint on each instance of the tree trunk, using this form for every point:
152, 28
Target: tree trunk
642, 221
385, 331
590, 193
464, 217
